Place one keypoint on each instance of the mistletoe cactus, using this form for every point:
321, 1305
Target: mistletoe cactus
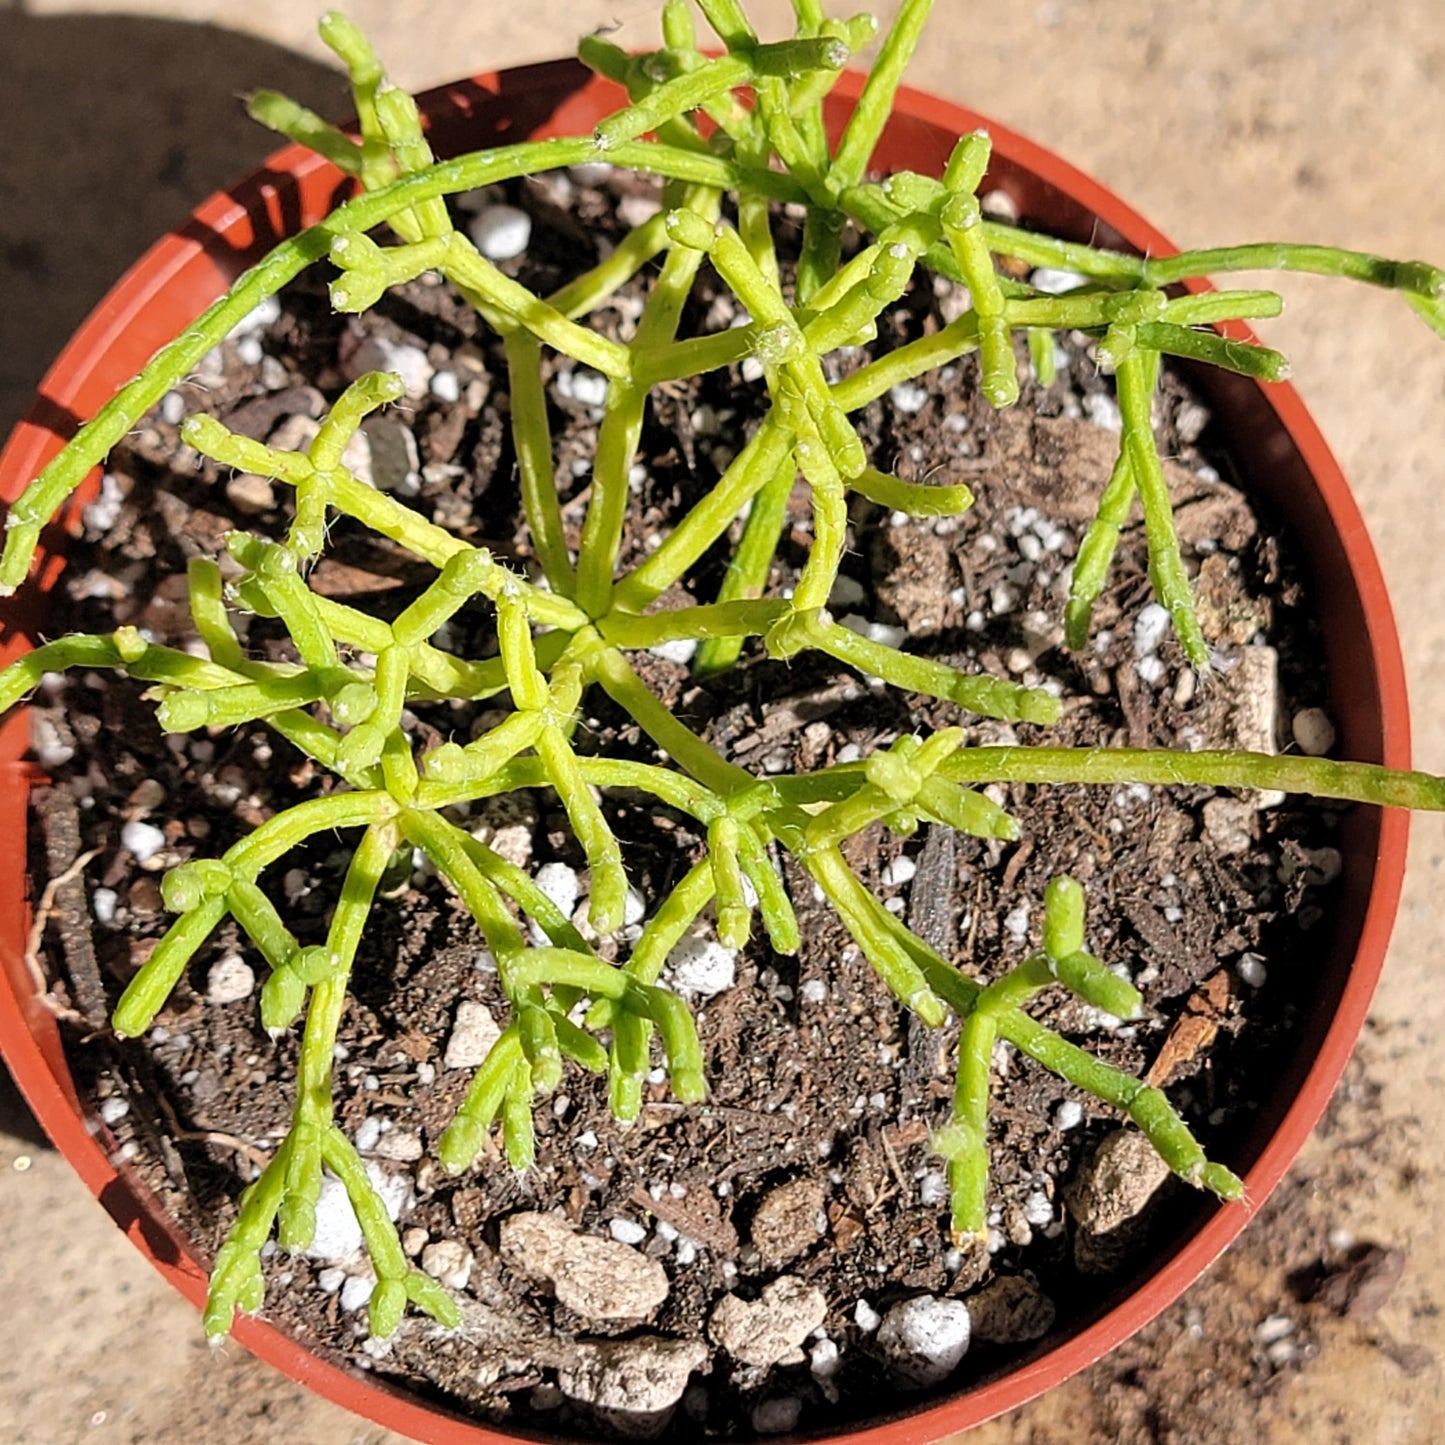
731, 136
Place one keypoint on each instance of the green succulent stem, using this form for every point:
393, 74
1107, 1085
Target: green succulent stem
1210, 768
44, 497
748, 571
1137, 374
875, 104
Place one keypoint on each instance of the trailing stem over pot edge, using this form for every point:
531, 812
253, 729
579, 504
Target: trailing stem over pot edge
719, 126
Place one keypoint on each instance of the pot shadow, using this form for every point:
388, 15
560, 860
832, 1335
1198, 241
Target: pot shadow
119, 1200
16, 1120
117, 127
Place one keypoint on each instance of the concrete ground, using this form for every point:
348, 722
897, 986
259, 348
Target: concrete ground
1308, 119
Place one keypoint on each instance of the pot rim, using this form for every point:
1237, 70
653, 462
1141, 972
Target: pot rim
251, 216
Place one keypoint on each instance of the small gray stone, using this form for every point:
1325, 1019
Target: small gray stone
472, 1036
1313, 731
777, 1416
561, 884
395, 1190
403, 1146
113, 1110
1103, 411
633, 1385
266, 312
250, 494
356, 457
506, 824
338, 1234
449, 1262
590, 173
1251, 969
294, 433
584, 386
393, 455
361, 353
680, 650
825, 1359
142, 840
1229, 825
330, 1279
51, 744
762, 1331
702, 966
230, 980
598, 1278
626, 1231
1110, 1194
637, 209
1010, 1311
357, 1290
1069, 1115
1150, 629
1252, 685
900, 871
785, 1224
908, 397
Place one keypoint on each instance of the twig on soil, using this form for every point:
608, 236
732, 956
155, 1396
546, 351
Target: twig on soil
224, 1141
178, 1133
716, 1233
892, 1156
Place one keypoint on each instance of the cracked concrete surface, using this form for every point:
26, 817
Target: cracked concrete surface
1308, 119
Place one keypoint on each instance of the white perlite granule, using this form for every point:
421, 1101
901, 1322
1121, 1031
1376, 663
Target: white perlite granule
559, 883
1069, 1115
626, 1231
500, 232
923, 1340
142, 840
702, 966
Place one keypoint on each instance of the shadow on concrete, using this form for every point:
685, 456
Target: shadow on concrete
116, 127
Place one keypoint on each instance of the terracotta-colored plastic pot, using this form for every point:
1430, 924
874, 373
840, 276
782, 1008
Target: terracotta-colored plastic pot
1285, 461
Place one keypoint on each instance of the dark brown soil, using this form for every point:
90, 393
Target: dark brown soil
821, 1086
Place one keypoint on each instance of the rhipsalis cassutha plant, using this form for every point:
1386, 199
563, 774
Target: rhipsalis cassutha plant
730, 136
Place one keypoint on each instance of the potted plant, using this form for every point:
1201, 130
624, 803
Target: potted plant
344, 687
